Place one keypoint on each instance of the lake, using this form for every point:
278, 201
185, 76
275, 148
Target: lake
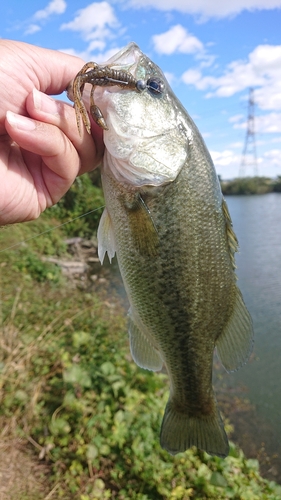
257, 224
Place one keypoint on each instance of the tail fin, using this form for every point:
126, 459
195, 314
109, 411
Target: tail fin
179, 432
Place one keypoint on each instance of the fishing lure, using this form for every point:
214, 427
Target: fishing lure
105, 76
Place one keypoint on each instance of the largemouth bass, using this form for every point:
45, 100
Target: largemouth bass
168, 223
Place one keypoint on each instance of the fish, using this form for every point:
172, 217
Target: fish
167, 222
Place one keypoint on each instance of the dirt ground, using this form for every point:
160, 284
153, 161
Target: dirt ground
22, 476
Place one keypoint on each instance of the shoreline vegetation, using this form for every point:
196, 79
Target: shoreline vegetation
250, 185
76, 414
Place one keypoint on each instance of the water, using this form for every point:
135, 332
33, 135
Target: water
257, 223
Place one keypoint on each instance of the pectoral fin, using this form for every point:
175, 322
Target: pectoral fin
235, 344
143, 352
106, 242
142, 226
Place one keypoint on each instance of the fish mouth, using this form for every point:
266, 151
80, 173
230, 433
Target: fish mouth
132, 60
126, 59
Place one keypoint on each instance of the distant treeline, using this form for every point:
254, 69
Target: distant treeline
251, 185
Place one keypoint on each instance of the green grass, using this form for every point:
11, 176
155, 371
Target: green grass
68, 385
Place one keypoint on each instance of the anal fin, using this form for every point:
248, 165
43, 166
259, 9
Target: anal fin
235, 344
143, 353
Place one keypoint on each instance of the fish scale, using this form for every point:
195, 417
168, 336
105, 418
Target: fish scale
166, 220
181, 335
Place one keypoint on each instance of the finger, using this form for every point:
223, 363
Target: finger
24, 67
46, 69
61, 114
60, 163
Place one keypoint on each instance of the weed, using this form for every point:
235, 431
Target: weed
68, 387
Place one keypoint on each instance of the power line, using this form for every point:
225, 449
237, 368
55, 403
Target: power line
249, 155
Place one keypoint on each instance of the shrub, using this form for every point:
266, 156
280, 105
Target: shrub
71, 385
82, 197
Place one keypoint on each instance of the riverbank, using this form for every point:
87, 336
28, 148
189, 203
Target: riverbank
251, 185
72, 400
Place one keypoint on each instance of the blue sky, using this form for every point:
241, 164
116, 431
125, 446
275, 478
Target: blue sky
212, 51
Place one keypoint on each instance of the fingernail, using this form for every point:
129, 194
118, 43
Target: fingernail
45, 103
20, 122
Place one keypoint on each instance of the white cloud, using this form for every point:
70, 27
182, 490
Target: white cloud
177, 39
32, 28
269, 123
269, 96
96, 45
273, 157
237, 145
207, 8
94, 21
236, 118
262, 70
54, 7
269, 161
192, 76
88, 55
238, 76
225, 158
227, 163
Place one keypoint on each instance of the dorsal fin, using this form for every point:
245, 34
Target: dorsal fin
230, 234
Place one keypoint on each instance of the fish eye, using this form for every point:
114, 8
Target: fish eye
155, 86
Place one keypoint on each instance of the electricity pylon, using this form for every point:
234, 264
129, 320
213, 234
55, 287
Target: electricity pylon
249, 155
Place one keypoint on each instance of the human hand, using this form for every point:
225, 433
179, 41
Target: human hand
41, 151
